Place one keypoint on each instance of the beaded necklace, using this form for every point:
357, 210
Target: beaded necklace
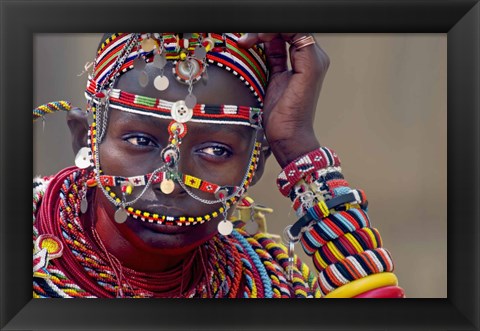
236, 266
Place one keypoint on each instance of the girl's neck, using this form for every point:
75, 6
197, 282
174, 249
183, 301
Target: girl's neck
130, 256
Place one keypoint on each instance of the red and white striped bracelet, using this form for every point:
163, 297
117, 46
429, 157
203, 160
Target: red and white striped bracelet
305, 165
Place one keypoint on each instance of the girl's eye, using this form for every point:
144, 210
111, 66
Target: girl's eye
216, 151
141, 141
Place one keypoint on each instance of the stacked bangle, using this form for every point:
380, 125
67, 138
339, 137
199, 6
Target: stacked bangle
330, 228
390, 292
346, 245
354, 267
363, 285
334, 228
304, 166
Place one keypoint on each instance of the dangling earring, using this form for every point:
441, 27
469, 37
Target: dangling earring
225, 227
290, 241
84, 201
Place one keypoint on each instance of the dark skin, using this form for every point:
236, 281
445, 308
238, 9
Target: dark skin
217, 153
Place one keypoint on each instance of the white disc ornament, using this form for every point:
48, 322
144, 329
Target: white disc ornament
180, 112
225, 227
121, 215
167, 186
82, 159
161, 83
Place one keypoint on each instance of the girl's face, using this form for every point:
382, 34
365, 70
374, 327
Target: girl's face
216, 153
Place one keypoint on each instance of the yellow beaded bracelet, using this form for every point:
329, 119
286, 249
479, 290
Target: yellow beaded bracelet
364, 284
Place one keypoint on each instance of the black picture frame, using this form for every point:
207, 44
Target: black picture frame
20, 20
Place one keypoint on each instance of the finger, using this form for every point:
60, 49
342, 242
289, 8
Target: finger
310, 59
250, 39
276, 52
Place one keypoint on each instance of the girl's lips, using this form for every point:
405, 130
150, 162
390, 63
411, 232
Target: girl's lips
163, 228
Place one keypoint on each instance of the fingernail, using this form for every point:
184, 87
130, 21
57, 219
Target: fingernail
243, 37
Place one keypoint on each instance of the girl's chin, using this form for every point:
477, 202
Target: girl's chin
167, 239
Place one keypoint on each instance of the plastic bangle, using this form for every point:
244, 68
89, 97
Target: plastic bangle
363, 285
390, 292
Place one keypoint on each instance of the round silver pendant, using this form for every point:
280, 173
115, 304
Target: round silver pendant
84, 206
161, 83
82, 159
148, 44
180, 112
143, 79
225, 227
200, 53
139, 63
159, 61
120, 215
167, 186
251, 227
190, 101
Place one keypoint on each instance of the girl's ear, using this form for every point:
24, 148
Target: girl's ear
77, 121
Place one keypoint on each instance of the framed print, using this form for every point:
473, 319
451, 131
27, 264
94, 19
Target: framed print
23, 23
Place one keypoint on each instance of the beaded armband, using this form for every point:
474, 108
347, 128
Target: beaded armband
305, 165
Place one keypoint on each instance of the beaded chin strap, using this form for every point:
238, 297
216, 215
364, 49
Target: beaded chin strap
191, 54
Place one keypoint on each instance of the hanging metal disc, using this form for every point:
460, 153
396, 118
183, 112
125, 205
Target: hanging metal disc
148, 44
120, 215
84, 205
139, 63
159, 61
190, 101
161, 83
143, 79
225, 227
167, 186
200, 53
251, 227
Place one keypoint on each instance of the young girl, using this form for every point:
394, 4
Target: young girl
182, 126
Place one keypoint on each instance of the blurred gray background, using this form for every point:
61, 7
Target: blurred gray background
383, 109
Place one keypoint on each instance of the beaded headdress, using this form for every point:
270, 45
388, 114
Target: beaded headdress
190, 55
